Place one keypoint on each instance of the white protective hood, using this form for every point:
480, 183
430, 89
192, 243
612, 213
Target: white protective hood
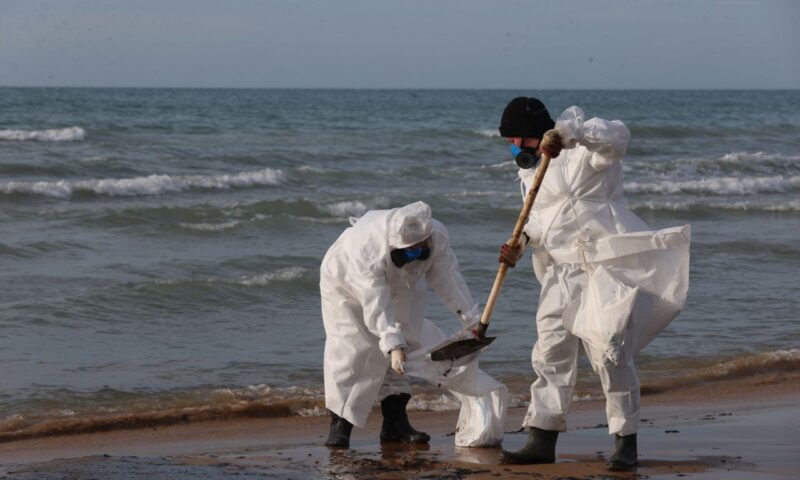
370, 307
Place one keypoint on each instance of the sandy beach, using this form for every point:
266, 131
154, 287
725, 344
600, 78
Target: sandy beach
747, 428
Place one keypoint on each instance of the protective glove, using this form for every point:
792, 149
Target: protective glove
551, 143
399, 360
510, 255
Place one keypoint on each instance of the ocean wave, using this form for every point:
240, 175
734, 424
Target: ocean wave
166, 408
488, 133
50, 135
289, 274
353, 207
739, 164
719, 186
222, 217
676, 132
743, 206
510, 164
737, 157
776, 362
109, 410
142, 186
210, 227
310, 169
284, 275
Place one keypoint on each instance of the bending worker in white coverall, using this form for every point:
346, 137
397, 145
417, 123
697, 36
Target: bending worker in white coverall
580, 200
373, 284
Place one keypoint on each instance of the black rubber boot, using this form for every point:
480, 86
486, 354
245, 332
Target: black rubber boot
540, 448
625, 454
340, 432
395, 421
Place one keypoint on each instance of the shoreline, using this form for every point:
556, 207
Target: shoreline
769, 371
748, 427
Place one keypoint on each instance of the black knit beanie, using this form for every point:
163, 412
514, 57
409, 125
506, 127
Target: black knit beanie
525, 117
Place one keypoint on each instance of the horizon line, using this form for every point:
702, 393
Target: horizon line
405, 88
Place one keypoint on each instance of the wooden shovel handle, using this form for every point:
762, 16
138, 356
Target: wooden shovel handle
514, 240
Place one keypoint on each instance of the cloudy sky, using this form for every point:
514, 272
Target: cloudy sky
401, 44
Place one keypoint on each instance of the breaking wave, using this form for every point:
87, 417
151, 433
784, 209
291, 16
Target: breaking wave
210, 227
284, 275
83, 415
169, 408
735, 157
354, 207
719, 186
51, 135
141, 186
289, 274
774, 363
743, 206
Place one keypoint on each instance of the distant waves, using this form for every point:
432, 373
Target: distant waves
50, 135
149, 185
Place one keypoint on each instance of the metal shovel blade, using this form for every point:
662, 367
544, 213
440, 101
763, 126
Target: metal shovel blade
459, 348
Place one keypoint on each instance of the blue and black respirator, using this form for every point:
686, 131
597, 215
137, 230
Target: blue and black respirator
402, 256
525, 157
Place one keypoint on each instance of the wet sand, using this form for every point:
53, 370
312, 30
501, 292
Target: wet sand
744, 429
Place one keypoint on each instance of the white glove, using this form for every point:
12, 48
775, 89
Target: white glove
399, 360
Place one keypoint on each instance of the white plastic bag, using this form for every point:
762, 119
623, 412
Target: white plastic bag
637, 285
484, 400
606, 307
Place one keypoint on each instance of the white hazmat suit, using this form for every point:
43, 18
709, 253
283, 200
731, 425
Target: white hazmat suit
371, 307
607, 280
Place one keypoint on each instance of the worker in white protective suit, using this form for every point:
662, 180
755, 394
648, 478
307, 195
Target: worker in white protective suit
607, 281
373, 284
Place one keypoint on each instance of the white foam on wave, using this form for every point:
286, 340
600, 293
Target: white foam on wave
310, 169
316, 411
719, 185
737, 157
765, 360
264, 390
343, 209
70, 134
210, 227
507, 164
434, 403
354, 207
283, 275
685, 206
141, 186
482, 193
488, 133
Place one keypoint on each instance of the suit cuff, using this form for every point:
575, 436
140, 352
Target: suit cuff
391, 338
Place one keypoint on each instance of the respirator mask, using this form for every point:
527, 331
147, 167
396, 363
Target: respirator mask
402, 256
525, 157
525, 118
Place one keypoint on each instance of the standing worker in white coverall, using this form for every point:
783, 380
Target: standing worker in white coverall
580, 204
373, 284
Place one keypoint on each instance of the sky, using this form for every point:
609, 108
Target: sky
568, 44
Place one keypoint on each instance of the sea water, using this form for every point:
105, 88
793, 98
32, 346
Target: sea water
159, 248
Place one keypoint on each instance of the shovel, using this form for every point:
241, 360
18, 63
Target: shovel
461, 348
